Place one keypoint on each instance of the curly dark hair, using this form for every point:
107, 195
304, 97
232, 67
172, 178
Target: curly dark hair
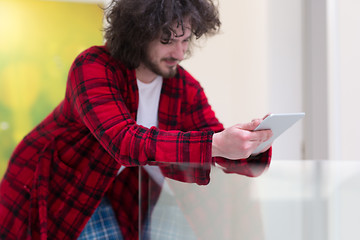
134, 23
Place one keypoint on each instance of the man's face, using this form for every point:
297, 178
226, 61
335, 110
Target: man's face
162, 59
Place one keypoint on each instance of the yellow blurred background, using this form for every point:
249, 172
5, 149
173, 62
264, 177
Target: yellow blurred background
38, 42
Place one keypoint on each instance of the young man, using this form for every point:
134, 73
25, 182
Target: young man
127, 104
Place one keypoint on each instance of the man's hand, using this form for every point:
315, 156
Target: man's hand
239, 141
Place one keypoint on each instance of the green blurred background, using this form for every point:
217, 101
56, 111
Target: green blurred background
38, 42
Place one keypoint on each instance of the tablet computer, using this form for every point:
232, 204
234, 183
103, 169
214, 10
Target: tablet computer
278, 123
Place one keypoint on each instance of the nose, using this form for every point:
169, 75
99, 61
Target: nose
178, 50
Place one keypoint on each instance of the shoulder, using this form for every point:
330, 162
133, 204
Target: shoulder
97, 55
94, 53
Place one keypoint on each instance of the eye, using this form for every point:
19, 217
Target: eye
166, 37
167, 41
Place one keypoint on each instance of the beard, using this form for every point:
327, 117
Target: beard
155, 68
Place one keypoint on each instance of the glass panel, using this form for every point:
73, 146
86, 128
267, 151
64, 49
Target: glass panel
290, 200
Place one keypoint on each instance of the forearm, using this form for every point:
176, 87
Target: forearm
155, 145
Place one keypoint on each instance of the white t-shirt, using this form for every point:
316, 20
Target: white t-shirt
149, 96
147, 116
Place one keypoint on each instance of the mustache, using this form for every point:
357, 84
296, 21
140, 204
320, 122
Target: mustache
170, 59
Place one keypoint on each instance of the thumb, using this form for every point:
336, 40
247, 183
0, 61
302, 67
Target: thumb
249, 126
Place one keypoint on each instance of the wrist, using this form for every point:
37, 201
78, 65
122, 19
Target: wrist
215, 152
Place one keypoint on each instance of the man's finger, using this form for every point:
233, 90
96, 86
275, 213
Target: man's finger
261, 135
249, 126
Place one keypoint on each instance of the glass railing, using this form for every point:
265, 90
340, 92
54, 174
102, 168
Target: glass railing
290, 200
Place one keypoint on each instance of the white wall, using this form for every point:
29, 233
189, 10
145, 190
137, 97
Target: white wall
348, 81
344, 97
255, 66
285, 74
331, 93
232, 66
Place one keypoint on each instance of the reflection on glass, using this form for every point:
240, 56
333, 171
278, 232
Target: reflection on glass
180, 202
297, 200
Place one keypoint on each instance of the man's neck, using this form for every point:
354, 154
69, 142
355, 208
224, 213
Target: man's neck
144, 74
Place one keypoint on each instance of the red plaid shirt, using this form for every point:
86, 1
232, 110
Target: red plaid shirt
59, 172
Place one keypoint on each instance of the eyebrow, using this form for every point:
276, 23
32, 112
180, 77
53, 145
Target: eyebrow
185, 39
184, 31
175, 36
